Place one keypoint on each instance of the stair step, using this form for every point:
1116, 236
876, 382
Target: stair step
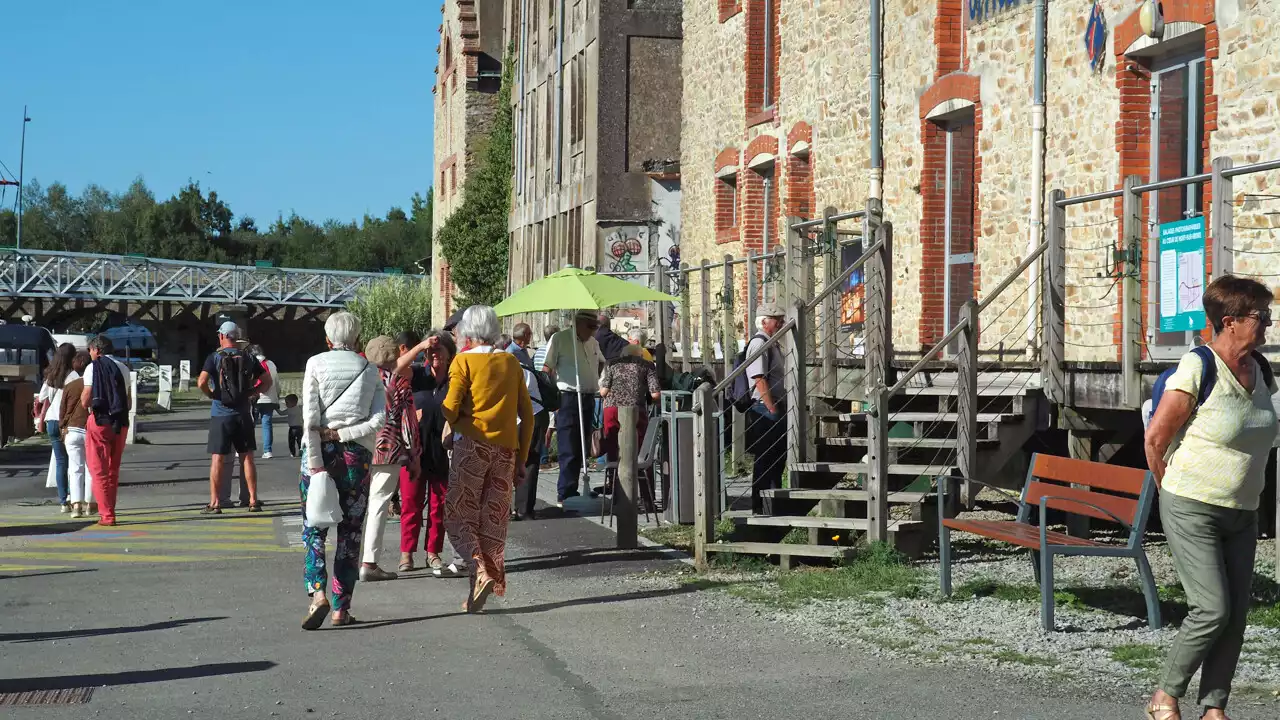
847, 468
847, 495
985, 392
829, 523
764, 548
931, 443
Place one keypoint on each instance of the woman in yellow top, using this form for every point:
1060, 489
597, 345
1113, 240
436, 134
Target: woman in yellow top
1210, 464
489, 409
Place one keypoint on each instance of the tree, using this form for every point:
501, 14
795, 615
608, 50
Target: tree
474, 239
392, 306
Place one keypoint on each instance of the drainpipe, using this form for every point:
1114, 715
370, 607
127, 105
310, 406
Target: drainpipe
874, 78
1035, 224
560, 98
522, 67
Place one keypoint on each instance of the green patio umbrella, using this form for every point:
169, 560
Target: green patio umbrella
577, 289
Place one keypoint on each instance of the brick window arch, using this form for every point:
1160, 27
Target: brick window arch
729, 8
762, 53
726, 195
758, 190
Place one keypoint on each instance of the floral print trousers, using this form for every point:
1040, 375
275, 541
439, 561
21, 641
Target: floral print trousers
477, 507
348, 464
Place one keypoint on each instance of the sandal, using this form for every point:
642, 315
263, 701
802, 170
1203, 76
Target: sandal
346, 618
315, 614
1170, 712
255, 506
483, 589
211, 510
406, 565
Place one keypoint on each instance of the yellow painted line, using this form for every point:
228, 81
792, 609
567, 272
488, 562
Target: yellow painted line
142, 543
113, 557
27, 568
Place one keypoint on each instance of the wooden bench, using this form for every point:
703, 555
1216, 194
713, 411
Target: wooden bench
1109, 492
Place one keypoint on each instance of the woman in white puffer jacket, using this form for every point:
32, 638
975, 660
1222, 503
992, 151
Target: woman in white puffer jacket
343, 403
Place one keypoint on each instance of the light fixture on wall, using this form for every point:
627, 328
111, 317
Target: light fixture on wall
1151, 18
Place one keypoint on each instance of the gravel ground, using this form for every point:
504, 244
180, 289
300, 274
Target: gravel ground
1092, 647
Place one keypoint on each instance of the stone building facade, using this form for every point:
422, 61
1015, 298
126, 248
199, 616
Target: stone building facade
468, 77
776, 123
597, 143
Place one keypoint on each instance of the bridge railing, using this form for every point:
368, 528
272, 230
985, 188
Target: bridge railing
43, 273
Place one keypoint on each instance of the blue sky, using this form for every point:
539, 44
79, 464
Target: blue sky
321, 107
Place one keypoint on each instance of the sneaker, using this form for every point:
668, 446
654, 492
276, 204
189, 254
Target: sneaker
66, 507
375, 574
266, 456
77, 510
458, 566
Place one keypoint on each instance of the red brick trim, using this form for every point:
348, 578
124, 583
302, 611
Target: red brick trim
754, 100
762, 117
954, 86
800, 197
729, 8
751, 197
726, 196
947, 30
1133, 124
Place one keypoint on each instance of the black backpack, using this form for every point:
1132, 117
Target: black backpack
236, 378
548, 391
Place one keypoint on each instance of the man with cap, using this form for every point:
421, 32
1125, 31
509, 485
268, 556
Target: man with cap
231, 377
573, 361
766, 419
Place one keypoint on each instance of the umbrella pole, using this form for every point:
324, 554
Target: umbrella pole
582, 422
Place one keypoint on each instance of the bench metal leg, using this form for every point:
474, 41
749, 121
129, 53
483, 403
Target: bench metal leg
1035, 565
1046, 590
1149, 591
944, 550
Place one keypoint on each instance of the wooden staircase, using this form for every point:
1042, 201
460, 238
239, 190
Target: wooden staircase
827, 497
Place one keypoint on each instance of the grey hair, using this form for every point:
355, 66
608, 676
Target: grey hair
343, 330
632, 351
102, 344
479, 322
522, 330
638, 335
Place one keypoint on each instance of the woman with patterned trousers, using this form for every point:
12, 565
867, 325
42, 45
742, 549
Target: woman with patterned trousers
343, 403
489, 409
1207, 446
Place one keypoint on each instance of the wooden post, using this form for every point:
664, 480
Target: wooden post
967, 400
705, 473
877, 339
829, 336
792, 277
686, 333
1222, 210
1131, 331
753, 285
795, 384
728, 327
708, 352
624, 491
1054, 308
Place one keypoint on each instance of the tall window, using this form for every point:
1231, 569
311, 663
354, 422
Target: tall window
763, 39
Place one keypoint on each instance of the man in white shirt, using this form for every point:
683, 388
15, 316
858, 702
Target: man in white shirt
573, 361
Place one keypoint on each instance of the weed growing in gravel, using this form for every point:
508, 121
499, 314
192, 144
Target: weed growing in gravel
796, 536
920, 625
1138, 656
1266, 616
978, 641
677, 537
1013, 656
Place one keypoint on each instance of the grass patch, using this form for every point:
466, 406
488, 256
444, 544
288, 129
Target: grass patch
1266, 616
920, 625
676, 537
875, 569
796, 536
978, 641
1013, 656
1139, 656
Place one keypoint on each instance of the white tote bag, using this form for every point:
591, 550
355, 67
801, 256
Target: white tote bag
323, 509
52, 480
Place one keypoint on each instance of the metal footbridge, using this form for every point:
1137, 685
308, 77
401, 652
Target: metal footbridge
48, 274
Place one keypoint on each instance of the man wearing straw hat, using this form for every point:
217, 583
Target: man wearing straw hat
573, 361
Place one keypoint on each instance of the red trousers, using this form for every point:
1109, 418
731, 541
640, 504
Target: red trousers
425, 493
103, 450
609, 438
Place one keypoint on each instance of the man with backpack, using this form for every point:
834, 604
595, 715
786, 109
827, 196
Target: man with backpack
766, 411
231, 377
538, 383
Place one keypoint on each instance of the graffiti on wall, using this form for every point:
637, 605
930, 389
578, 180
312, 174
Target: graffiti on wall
625, 250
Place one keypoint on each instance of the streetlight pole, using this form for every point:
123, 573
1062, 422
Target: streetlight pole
22, 159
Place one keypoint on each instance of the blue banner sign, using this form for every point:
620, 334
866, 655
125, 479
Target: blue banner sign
980, 10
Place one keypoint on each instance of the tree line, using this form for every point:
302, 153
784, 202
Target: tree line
198, 226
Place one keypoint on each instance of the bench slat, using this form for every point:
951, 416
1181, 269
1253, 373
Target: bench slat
1112, 478
1016, 533
1124, 508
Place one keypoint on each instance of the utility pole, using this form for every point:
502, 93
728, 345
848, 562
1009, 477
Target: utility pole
22, 158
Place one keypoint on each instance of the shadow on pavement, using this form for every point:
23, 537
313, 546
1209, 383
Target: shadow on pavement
571, 558
15, 576
96, 632
53, 528
130, 677
172, 481
600, 600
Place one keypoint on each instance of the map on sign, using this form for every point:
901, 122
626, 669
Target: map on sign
1181, 256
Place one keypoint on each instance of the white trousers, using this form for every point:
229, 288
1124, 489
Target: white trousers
79, 485
384, 481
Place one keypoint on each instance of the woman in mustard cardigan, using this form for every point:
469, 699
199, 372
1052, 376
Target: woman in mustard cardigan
489, 409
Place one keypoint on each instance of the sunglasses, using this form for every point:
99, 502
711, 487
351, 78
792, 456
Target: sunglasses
1262, 316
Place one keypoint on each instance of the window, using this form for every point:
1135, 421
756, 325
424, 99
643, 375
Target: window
726, 202
762, 58
443, 187
453, 178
